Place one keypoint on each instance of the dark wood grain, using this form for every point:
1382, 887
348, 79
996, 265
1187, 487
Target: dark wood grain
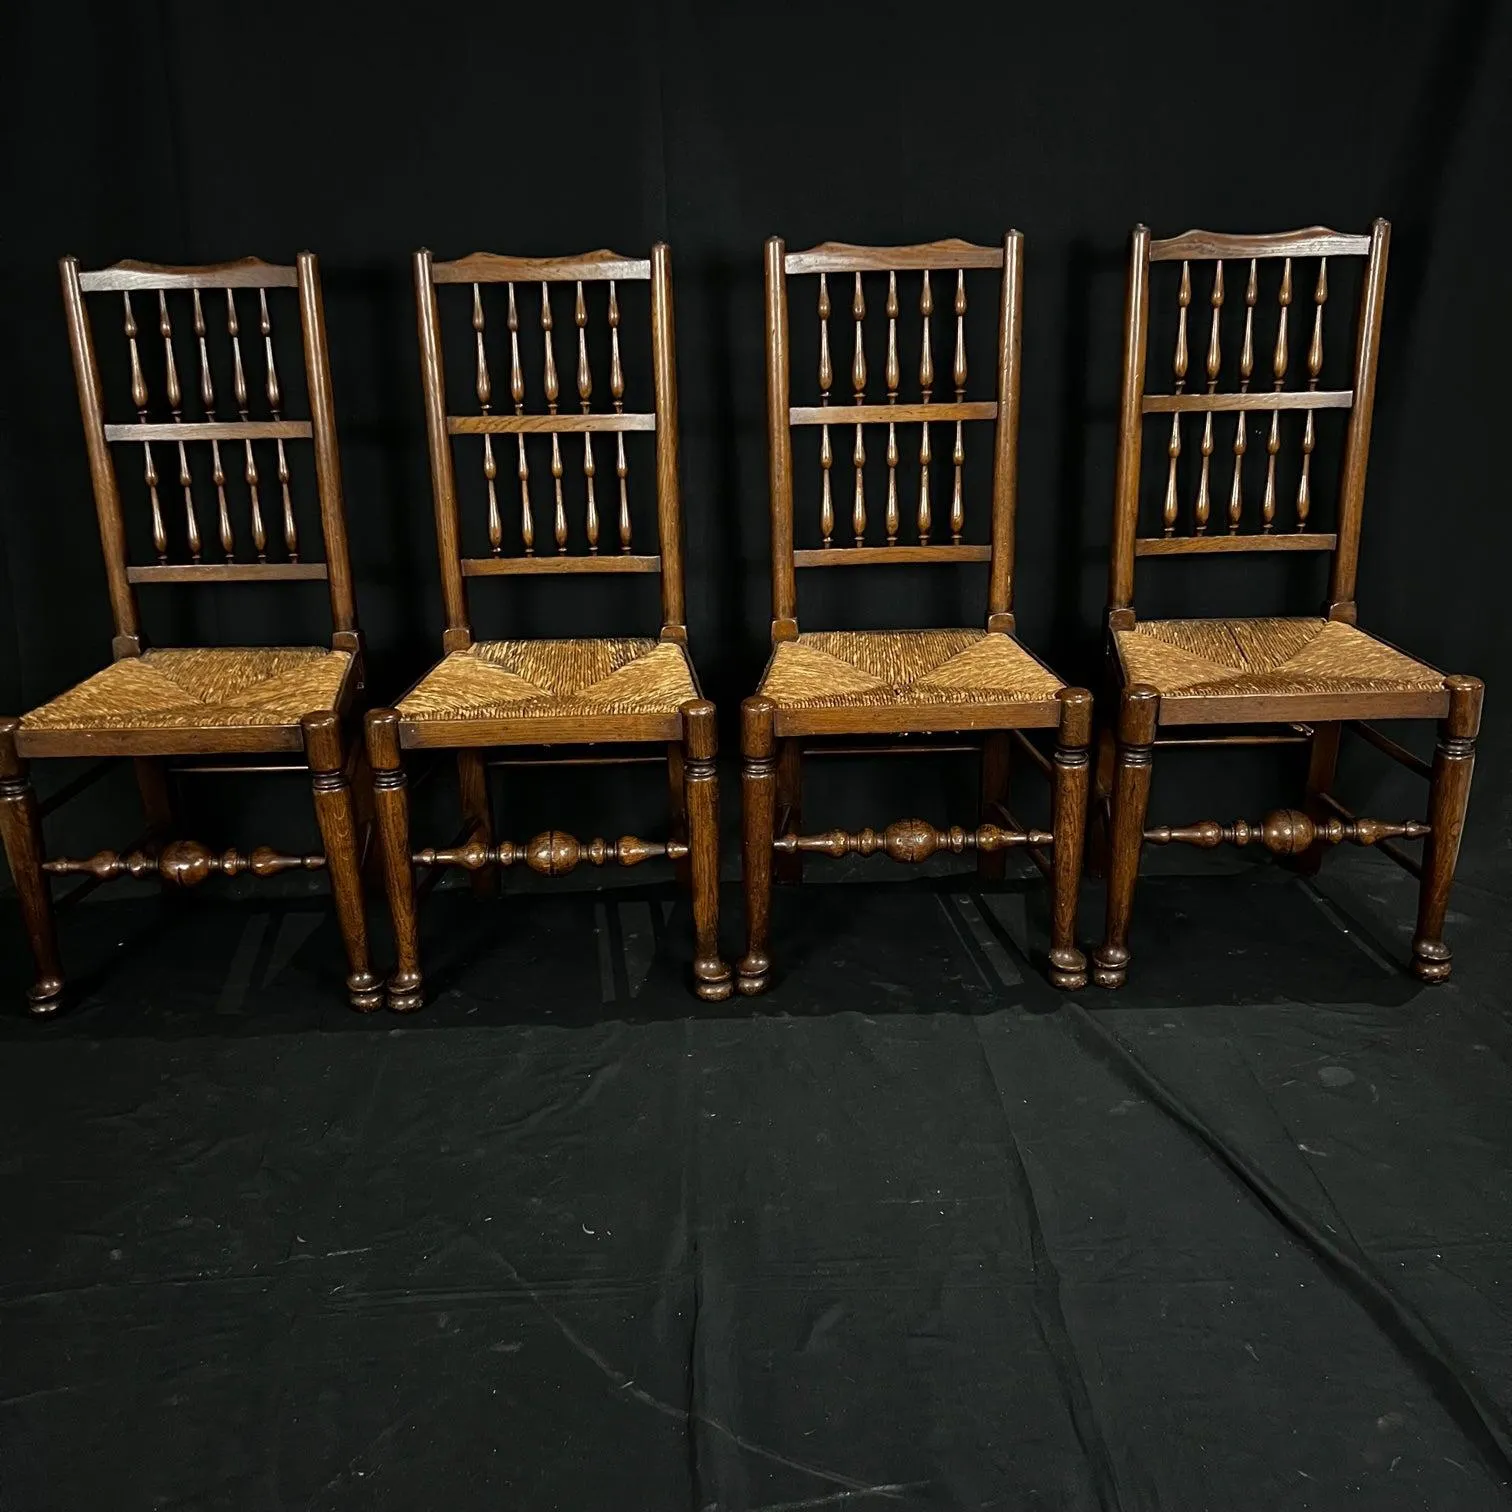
1138, 713
336, 815
758, 794
712, 979
391, 806
21, 832
1448, 801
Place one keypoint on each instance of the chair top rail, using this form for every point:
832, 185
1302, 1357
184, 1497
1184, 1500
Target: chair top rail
1311, 241
494, 267
242, 273
845, 257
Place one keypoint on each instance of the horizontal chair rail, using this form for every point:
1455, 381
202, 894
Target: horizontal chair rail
910, 841
183, 862
229, 572
862, 556
503, 566
1275, 399
1197, 545
244, 273
553, 853
885, 414
1288, 832
843, 257
1311, 241
500, 425
211, 430
492, 267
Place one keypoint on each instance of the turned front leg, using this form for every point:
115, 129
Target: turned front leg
337, 818
711, 976
1448, 798
21, 832
391, 805
758, 793
1072, 772
1138, 710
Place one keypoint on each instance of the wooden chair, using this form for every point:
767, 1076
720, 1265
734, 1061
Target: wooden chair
514, 693
161, 705
850, 683
1314, 676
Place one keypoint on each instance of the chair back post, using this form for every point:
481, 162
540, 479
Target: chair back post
780, 445
1130, 433
102, 474
1005, 460
327, 454
458, 634
668, 485
1341, 592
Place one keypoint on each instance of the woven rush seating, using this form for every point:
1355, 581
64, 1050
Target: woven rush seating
907, 671
541, 680
1204, 659
166, 691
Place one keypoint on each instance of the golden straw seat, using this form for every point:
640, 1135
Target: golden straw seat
895, 682
831, 680
568, 694
145, 703
1238, 438
212, 336
591, 683
1196, 664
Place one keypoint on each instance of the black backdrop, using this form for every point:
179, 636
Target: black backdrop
185, 133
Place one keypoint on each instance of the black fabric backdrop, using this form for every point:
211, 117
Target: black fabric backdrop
187, 133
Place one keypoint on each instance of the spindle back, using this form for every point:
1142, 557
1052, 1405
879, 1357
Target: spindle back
229, 300
1284, 382
840, 268
609, 546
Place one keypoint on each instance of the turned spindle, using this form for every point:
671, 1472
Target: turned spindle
1179, 369
926, 386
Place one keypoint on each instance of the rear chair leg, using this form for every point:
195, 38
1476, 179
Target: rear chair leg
391, 804
758, 792
477, 816
1322, 767
788, 867
711, 976
997, 747
1073, 770
337, 817
1139, 709
1448, 798
21, 831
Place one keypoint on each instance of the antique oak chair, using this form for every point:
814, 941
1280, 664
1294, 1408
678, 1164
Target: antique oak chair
903, 682
1314, 677
193, 705
626, 692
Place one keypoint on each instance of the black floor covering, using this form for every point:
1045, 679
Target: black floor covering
913, 1231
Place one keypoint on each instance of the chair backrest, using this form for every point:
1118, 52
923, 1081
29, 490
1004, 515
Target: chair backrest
609, 545
1231, 524
932, 515
233, 298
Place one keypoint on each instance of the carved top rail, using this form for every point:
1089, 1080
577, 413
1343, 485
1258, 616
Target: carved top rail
845, 257
1313, 241
243, 273
493, 267
548, 362
203, 369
